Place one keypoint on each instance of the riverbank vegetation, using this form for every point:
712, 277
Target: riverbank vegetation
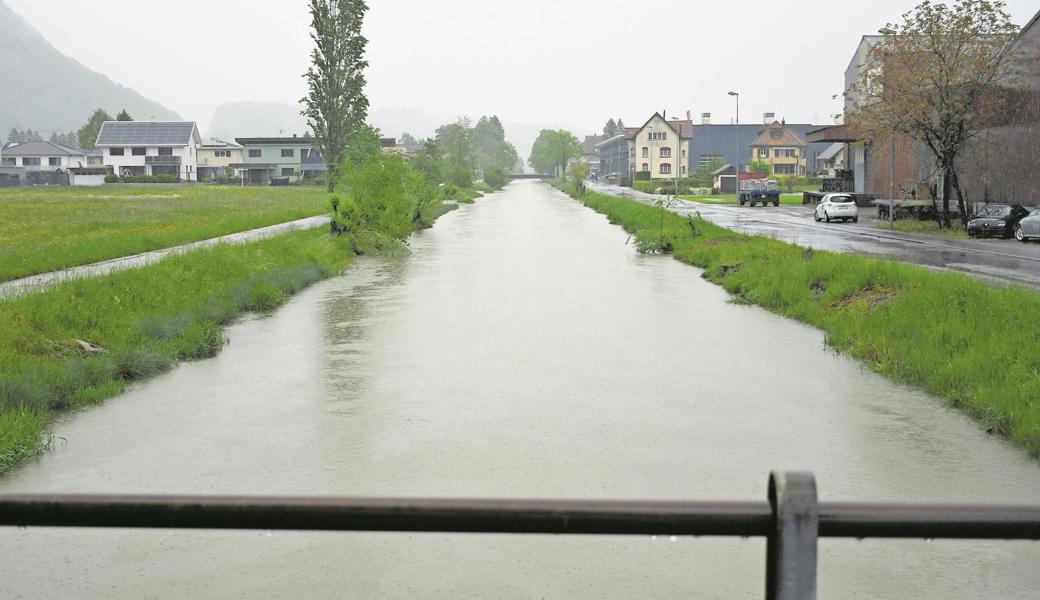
970, 343
85, 340
44, 229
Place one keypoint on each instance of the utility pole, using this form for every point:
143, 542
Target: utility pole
736, 176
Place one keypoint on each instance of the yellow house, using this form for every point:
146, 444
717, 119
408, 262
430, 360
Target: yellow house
215, 157
660, 149
781, 148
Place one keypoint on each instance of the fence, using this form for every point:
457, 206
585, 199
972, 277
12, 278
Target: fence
792, 520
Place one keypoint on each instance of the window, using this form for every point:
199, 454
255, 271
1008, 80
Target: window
254, 154
646, 152
684, 153
54, 161
786, 153
666, 168
646, 167
288, 153
783, 169
222, 153
658, 135
115, 151
138, 151
666, 152
30, 162
9, 162
763, 152
165, 151
684, 169
288, 171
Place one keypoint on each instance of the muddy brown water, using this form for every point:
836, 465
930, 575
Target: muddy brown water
523, 349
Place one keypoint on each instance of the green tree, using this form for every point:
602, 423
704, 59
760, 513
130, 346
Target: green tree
429, 162
89, 132
551, 151
702, 174
14, 135
759, 165
124, 116
620, 126
336, 105
610, 129
936, 78
459, 151
408, 140
374, 207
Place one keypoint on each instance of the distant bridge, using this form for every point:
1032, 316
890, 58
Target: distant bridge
530, 176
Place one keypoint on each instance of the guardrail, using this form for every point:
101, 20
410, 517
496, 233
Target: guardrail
792, 520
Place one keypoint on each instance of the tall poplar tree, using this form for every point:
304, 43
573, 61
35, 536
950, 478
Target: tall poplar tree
336, 106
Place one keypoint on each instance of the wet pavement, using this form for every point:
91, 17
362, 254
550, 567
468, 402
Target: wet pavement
1003, 261
522, 350
42, 281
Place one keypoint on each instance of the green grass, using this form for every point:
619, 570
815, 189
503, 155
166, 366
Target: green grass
972, 344
145, 319
732, 200
925, 227
467, 195
44, 229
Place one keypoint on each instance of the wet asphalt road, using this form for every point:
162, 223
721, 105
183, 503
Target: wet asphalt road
1003, 261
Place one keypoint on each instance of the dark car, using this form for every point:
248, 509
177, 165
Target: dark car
996, 219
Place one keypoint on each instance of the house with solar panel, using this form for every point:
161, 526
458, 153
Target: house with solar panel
151, 148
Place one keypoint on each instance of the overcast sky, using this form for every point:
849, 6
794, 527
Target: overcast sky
569, 63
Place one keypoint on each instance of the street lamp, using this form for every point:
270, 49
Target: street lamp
736, 176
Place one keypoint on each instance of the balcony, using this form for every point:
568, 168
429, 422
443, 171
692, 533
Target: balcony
162, 160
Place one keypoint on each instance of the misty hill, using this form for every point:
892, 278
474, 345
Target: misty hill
45, 90
256, 119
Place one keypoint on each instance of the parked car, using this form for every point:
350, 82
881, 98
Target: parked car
996, 219
837, 206
1028, 227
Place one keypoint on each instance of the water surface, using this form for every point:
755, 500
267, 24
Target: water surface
524, 349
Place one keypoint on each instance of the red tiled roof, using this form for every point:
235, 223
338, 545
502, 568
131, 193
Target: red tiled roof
589, 145
752, 176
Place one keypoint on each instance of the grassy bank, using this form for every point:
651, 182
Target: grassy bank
83, 341
138, 323
972, 344
43, 229
925, 227
732, 200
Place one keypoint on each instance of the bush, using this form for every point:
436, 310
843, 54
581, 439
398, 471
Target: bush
164, 178
496, 178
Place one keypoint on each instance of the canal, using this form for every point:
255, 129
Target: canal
522, 349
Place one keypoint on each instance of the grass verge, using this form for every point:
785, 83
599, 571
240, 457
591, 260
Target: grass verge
972, 344
732, 200
84, 340
44, 229
925, 227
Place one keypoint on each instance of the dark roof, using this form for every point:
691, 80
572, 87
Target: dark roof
146, 133
388, 142
630, 132
41, 149
276, 141
831, 151
590, 143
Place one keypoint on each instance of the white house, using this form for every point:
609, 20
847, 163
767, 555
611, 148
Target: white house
151, 148
43, 156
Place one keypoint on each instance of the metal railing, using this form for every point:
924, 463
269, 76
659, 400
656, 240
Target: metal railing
792, 520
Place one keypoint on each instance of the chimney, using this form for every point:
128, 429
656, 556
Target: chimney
768, 118
664, 114
705, 118
688, 118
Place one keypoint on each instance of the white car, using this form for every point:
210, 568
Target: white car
837, 206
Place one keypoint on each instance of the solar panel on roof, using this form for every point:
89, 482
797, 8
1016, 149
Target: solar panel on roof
144, 133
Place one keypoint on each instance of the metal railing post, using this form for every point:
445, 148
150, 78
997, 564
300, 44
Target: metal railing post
792, 541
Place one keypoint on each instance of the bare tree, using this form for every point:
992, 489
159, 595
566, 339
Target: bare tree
938, 78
